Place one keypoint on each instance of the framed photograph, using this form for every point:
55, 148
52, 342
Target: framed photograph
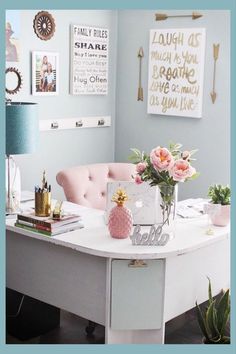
45, 73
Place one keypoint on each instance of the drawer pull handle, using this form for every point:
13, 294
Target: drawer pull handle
137, 263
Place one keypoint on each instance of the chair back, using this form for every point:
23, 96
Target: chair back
87, 185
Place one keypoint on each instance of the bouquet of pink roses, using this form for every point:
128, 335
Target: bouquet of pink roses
164, 168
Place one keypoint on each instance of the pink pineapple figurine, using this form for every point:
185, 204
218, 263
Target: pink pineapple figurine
120, 220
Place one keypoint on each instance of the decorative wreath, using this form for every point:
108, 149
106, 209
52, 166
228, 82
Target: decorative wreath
44, 25
19, 82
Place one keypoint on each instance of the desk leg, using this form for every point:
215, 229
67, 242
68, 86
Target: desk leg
135, 336
128, 336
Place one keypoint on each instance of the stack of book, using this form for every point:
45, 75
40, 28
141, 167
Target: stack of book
47, 225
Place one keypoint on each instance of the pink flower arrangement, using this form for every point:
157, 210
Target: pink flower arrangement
164, 166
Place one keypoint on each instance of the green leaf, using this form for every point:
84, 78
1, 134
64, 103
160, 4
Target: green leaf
136, 151
211, 320
192, 152
223, 312
216, 340
202, 322
196, 175
225, 340
209, 291
134, 159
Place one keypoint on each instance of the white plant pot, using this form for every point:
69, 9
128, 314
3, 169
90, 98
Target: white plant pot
219, 214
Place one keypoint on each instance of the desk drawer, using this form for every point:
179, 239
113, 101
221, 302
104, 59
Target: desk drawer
137, 295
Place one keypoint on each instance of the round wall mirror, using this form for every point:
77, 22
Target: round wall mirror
13, 80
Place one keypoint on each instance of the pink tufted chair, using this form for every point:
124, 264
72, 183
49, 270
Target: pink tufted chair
86, 185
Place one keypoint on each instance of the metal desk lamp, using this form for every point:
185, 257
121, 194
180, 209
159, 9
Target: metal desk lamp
22, 133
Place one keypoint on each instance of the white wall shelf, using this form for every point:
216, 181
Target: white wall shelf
75, 123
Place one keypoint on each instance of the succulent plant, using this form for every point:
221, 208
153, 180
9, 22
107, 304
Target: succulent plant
213, 320
219, 194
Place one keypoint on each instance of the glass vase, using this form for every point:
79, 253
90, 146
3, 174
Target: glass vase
165, 208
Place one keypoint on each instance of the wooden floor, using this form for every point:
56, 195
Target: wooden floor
182, 330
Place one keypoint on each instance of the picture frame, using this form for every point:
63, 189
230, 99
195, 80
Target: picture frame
45, 73
176, 71
12, 33
89, 52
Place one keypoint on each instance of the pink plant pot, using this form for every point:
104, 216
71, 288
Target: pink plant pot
120, 222
221, 216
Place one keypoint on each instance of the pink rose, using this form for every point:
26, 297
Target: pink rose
138, 179
182, 170
141, 166
161, 158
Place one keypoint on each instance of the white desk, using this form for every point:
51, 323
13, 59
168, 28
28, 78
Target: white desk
87, 273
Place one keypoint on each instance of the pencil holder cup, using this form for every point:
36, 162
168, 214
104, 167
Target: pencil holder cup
42, 203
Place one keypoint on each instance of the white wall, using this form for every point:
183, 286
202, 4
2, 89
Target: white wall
60, 149
211, 133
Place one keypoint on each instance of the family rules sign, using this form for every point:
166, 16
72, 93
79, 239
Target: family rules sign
176, 71
89, 60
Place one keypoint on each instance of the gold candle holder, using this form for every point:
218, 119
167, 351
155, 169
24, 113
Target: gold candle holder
42, 203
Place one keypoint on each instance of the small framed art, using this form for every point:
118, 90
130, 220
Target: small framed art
45, 73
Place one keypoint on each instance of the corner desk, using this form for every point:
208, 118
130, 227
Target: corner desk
90, 274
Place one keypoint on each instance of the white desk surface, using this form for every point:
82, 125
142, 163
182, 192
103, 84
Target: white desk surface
95, 239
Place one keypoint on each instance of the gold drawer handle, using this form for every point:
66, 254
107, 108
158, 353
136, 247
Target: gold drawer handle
137, 263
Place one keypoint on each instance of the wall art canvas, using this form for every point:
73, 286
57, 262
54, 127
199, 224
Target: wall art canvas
89, 60
176, 71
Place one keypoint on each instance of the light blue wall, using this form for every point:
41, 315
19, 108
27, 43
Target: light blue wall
60, 149
131, 125
211, 133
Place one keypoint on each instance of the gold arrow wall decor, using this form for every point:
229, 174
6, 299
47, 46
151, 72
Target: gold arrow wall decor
216, 48
162, 17
140, 89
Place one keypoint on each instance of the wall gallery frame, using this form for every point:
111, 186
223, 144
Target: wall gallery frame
45, 73
12, 32
89, 60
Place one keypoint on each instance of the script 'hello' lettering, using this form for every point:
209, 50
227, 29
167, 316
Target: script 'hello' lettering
155, 236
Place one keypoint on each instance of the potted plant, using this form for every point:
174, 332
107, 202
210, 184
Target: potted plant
219, 208
213, 320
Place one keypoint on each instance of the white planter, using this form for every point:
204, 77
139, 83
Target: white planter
219, 214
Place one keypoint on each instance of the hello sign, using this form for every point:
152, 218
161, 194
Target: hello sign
155, 236
176, 70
